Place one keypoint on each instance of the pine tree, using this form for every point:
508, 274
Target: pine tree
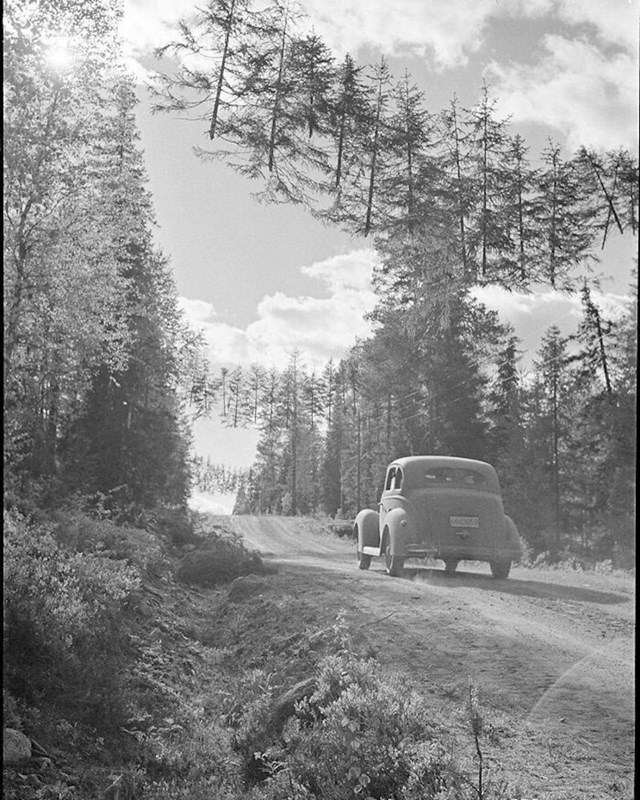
239, 402
592, 334
312, 60
349, 110
548, 429
331, 470
207, 57
255, 383
518, 180
408, 187
506, 437
460, 188
626, 167
488, 141
564, 221
375, 142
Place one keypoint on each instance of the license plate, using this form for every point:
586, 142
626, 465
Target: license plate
464, 522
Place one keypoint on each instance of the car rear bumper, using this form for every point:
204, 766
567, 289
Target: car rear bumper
467, 554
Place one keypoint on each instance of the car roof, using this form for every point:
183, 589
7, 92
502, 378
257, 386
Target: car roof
414, 466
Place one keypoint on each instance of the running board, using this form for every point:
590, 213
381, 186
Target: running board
371, 551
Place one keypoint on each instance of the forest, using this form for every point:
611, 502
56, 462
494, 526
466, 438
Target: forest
138, 683
453, 200
102, 374
96, 354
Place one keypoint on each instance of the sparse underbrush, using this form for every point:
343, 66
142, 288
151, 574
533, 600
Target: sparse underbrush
567, 561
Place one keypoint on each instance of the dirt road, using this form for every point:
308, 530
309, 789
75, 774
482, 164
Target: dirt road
551, 652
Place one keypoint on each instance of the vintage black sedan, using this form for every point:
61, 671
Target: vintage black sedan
438, 507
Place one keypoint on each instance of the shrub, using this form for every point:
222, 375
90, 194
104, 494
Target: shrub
221, 558
80, 533
62, 609
366, 731
178, 525
360, 734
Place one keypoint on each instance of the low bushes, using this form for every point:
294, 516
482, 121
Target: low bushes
566, 561
220, 558
64, 598
361, 733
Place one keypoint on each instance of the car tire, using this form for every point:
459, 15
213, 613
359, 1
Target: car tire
500, 568
450, 565
364, 560
394, 564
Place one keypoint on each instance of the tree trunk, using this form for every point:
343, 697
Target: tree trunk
276, 99
223, 64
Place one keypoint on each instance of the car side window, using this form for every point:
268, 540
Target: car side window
394, 479
391, 476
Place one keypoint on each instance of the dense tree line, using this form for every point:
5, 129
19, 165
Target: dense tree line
560, 435
211, 477
96, 355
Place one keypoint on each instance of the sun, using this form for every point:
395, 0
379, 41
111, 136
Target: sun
58, 53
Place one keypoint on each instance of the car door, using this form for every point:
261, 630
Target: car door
391, 494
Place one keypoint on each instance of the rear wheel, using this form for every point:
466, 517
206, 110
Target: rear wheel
364, 561
394, 564
500, 568
450, 565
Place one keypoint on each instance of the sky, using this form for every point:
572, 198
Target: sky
261, 280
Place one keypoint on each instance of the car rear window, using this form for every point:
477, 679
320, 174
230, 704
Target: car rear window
461, 477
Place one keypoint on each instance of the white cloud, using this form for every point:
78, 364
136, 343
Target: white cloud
197, 310
148, 24
320, 327
585, 80
446, 32
450, 31
611, 21
614, 21
349, 272
584, 83
575, 88
531, 314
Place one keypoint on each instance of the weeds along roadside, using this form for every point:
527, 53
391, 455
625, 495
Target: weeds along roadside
143, 678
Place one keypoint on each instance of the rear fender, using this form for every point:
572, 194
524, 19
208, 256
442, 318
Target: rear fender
399, 529
367, 529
